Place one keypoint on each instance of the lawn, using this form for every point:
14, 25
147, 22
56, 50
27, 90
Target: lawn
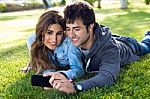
133, 81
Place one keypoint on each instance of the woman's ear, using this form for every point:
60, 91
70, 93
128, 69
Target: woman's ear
43, 37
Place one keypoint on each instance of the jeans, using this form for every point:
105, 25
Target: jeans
145, 45
139, 48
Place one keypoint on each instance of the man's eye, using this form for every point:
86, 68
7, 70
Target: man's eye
67, 29
77, 29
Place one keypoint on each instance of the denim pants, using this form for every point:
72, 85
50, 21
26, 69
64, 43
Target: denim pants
145, 45
139, 48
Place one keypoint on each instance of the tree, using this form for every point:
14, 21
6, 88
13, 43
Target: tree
99, 4
63, 2
91, 2
124, 4
147, 2
47, 4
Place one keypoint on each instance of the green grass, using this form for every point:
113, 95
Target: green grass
133, 81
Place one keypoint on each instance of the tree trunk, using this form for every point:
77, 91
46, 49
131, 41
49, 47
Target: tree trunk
124, 4
99, 4
147, 2
47, 4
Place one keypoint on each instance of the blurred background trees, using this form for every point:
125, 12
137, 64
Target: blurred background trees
147, 2
16, 5
124, 4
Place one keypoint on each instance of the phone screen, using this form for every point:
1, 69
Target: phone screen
39, 80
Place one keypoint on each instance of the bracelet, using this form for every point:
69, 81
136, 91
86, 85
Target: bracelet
63, 74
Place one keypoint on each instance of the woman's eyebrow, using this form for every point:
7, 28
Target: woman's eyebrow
49, 30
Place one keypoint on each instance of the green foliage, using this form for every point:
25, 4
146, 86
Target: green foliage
91, 1
147, 2
132, 83
59, 3
32, 3
7, 7
55, 4
63, 2
2, 7
99, 4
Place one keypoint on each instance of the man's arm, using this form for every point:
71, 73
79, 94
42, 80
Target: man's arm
109, 67
108, 71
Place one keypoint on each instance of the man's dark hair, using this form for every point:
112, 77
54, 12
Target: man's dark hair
79, 10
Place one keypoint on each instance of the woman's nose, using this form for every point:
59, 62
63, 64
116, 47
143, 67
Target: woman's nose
54, 38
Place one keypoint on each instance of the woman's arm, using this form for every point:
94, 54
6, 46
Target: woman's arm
76, 63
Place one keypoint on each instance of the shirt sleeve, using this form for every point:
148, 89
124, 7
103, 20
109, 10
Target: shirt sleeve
75, 61
30, 40
109, 68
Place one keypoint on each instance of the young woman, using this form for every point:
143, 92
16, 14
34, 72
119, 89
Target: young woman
52, 51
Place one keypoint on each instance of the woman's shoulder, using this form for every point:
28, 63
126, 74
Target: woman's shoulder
67, 43
66, 40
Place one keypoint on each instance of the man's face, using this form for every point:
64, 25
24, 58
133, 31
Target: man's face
78, 33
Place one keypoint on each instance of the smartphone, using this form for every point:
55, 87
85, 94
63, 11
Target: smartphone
39, 80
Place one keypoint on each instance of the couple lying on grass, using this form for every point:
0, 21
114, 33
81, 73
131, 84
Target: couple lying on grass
67, 48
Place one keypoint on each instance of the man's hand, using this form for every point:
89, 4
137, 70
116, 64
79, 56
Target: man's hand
65, 86
54, 76
60, 82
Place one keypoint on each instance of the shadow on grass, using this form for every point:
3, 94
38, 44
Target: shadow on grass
133, 81
16, 85
127, 85
22, 89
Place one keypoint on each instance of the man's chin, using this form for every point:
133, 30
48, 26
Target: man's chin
76, 44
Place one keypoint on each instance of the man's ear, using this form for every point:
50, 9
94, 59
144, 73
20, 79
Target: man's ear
91, 26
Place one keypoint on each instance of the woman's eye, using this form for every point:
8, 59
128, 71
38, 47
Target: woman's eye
50, 33
60, 33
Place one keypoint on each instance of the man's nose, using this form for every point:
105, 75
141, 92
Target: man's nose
71, 33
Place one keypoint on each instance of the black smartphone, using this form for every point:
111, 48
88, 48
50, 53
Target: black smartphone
39, 80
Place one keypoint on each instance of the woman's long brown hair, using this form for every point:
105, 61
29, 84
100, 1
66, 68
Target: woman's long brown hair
39, 52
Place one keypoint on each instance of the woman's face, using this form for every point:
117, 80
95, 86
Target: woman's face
53, 36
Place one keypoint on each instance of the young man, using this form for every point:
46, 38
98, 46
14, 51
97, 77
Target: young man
104, 53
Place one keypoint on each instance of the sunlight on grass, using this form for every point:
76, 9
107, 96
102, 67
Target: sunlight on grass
17, 25
101, 17
17, 28
10, 39
20, 14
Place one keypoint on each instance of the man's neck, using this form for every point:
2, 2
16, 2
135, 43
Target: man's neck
89, 42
